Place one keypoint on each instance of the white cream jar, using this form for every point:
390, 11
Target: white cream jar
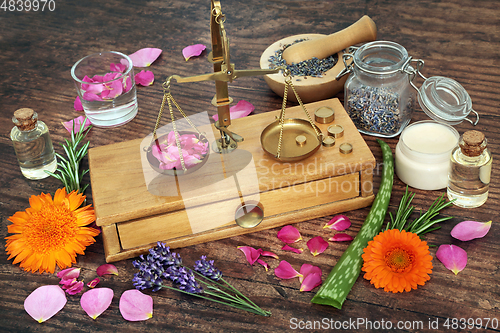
423, 154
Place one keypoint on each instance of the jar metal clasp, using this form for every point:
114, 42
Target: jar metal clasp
452, 89
345, 59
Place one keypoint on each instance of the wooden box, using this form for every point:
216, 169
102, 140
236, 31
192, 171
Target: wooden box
191, 209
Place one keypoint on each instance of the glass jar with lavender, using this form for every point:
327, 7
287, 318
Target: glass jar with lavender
378, 95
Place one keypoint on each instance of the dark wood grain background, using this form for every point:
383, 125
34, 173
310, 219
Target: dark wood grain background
459, 39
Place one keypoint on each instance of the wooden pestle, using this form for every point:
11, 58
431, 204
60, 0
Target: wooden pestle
363, 30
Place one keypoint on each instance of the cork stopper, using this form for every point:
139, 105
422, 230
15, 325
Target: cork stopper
473, 143
25, 119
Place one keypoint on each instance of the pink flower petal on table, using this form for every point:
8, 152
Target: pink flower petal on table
69, 273
118, 67
193, 51
136, 306
263, 263
74, 288
339, 223
341, 237
250, 253
145, 57
77, 105
289, 234
307, 269
93, 283
44, 302
317, 245
96, 301
453, 257
286, 271
310, 282
144, 78
240, 110
75, 125
269, 254
468, 230
67, 283
287, 247
106, 269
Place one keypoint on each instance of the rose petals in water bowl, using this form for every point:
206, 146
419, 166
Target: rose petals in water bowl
163, 155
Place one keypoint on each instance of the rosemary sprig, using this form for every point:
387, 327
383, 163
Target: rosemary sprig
425, 222
69, 167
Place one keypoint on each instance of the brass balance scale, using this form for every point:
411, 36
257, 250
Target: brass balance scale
276, 176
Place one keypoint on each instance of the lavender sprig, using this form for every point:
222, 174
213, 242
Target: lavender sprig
161, 264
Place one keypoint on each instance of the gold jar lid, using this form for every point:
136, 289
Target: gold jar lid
324, 115
345, 148
337, 131
328, 141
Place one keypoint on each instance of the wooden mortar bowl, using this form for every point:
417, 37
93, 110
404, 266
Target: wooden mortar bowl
310, 89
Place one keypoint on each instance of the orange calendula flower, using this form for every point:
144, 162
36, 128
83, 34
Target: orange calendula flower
50, 232
397, 261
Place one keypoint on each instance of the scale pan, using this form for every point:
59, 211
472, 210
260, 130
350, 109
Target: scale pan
299, 140
155, 163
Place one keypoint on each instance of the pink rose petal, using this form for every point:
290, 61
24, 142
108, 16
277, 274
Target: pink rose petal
74, 288
310, 282
69, 273
289, 234
468, 230
106, 269
136, 306
269, 254
240, 110
145, 57
307, 269
112, 89
118, 67
127, 84
341, 237
292, 249
317, 245
453, 257
93, 283
144, 78
44, 302
94, 85
263, 263
67, 283
339, 223
75, 124
286, 271
91, 97
193, 51
77, 105
96, 301
250, 253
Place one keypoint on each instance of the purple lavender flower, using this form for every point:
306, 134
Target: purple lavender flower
207, 268
152, 267
184, 277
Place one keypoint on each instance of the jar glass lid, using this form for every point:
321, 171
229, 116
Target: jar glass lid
445, 100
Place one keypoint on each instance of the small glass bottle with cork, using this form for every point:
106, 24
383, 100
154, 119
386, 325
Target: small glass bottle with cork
470, 172
32, 144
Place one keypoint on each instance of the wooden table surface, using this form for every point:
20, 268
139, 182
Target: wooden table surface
459, 39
